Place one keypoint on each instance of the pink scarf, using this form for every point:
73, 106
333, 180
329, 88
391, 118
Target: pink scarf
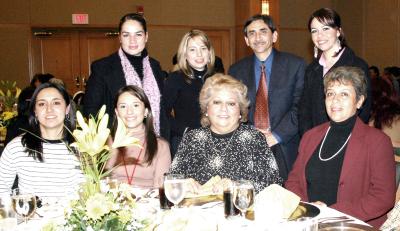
149, 85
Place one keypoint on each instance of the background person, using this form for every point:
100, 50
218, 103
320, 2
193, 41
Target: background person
130, 65
20, 124
134, 165
344, 163
374, 72
330, 51
224, 146
385, 115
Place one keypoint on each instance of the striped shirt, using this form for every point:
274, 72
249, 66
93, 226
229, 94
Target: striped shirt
57, 176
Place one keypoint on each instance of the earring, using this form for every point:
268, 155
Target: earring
240, 116
35, 120
67, 116
145, 116
339, 45
206, 114
315, 51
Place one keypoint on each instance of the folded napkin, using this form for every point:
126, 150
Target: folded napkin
276, 203
211, 187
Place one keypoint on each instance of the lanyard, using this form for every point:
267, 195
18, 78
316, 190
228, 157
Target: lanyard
130, 179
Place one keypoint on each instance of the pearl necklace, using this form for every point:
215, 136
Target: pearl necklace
322, 144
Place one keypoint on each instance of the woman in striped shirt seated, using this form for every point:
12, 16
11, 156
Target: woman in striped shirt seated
41, 157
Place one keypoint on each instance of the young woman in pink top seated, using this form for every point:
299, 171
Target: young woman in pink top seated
137, 166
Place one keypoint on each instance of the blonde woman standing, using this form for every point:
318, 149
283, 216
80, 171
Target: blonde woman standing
195, 64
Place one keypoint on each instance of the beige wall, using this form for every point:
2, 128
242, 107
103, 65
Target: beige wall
382, 32
294, 35
167, 20
372, 27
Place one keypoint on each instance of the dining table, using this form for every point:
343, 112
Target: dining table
207, 216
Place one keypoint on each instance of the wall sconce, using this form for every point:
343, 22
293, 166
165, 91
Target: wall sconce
264, 7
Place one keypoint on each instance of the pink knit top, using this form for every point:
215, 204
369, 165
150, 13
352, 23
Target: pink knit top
144, 175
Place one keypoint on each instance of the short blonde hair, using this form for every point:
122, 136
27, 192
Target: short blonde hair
183, 65
220, 82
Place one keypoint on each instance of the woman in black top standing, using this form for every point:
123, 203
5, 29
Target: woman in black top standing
196, 59
130, 65
330, 51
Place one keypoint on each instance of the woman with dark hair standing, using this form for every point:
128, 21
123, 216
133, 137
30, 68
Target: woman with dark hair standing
130, 65
195, 62
41, 157
330, 51
134, 165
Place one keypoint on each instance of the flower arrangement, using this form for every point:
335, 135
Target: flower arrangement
9, 94
113, 209
98, 207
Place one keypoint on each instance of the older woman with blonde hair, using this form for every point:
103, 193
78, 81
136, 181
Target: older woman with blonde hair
195, 64
225, 146
344, 163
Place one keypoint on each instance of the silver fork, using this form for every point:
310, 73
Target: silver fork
335, 219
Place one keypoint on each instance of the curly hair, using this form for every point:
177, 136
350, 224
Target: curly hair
220, 82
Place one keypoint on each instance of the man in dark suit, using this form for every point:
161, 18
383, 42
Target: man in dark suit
276, 78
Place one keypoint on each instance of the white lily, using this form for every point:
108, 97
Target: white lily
122, 138
93, 136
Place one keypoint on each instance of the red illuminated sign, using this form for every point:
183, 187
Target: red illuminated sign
80, 19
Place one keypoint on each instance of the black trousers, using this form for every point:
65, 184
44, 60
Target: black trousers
280, 160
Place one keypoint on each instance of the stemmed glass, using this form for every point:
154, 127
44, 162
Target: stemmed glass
8, 221
243, 196
24, 204
174, 186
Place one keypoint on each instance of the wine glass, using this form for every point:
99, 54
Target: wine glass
174, 186
24, 204
8, 220
243, 196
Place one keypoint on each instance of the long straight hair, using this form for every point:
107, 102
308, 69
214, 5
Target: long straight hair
150, 135
32, 140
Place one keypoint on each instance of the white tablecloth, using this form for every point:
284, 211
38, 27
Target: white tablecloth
205, 217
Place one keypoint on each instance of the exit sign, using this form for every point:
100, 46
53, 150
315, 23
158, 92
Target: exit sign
80, 19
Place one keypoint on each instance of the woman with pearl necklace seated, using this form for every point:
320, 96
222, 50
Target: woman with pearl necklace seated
344, 163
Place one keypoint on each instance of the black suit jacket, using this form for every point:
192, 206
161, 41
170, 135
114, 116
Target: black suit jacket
106, 78
284, 92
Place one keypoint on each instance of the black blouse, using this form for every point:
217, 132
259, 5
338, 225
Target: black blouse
182, 97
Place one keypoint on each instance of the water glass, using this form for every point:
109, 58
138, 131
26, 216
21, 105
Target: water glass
24, 204
243, 196
164, 202
174, 187
308, 224
8, 219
